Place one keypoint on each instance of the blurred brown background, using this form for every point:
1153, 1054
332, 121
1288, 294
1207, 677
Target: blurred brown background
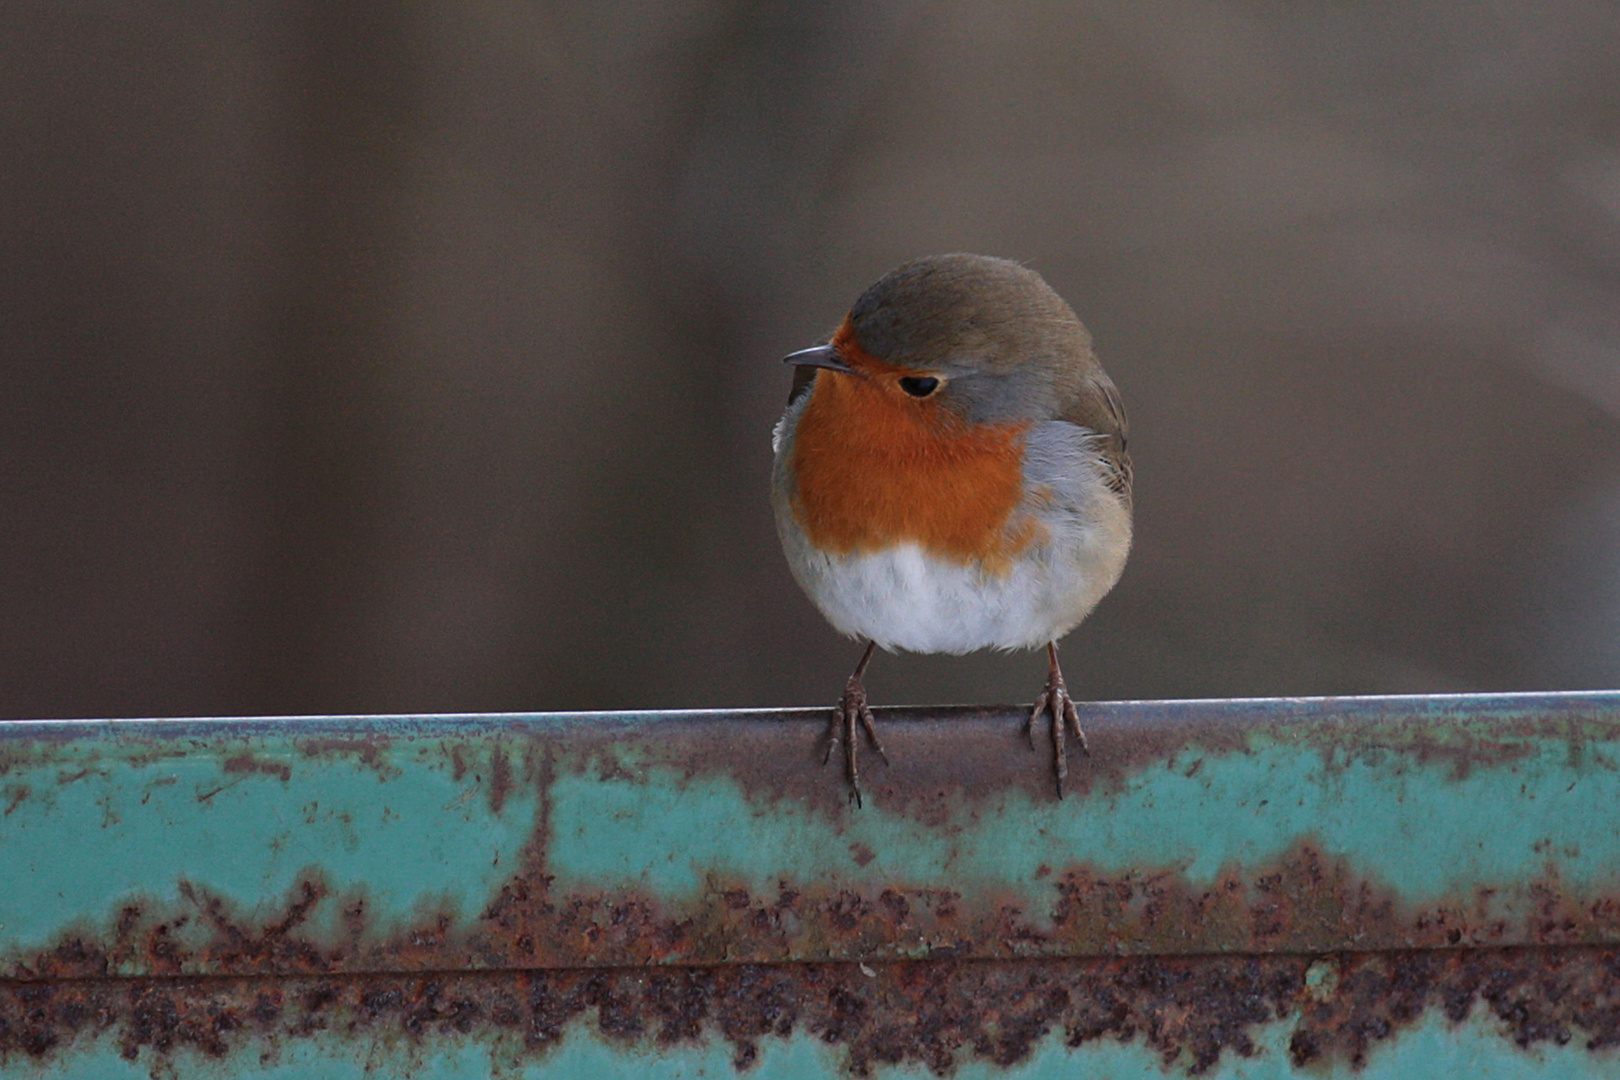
407, 356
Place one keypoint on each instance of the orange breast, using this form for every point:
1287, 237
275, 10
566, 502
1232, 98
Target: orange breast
874, 468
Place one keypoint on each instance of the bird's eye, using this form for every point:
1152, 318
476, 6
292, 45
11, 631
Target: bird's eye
919, 385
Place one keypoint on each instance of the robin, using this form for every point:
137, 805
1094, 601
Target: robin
951, 475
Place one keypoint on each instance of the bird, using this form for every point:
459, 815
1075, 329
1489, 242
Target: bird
952, 475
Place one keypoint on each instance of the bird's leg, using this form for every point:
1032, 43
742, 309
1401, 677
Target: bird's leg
1055, 699
852, 709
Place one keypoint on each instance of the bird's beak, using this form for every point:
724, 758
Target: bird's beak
822, 356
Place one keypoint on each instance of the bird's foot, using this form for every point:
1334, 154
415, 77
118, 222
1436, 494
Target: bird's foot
1055, 700
851, 712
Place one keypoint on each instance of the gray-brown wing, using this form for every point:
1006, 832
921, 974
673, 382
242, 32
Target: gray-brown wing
1096, 406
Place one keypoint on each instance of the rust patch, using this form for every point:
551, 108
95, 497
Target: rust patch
1538, 996
500, 778
370, 750
933, 775
14, 796
1190, 1011
1303, 903
246, 763
144, 941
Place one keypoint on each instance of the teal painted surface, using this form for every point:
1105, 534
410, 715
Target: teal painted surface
1408, 823
1432, 1048
1430, 800
107, 821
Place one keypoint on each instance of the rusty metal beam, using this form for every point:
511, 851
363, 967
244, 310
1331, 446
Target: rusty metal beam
1301, 883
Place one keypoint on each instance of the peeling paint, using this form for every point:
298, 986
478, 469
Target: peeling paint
1193, 1014
1350, 869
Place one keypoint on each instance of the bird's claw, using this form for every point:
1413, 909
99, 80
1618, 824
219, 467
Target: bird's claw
852, 711
1055, 700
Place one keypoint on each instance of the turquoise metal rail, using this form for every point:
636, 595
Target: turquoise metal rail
1316, 887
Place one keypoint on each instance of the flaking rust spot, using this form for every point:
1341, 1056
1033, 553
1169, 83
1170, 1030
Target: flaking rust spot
370, 750
500, 778
150, 939
246, 763
1305, 903
14, 795
1191, 1012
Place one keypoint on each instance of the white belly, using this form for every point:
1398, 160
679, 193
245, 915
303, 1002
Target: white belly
904, 598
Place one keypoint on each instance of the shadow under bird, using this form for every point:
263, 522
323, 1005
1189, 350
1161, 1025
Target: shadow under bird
951, 475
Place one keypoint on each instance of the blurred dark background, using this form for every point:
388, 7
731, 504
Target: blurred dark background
408, 356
